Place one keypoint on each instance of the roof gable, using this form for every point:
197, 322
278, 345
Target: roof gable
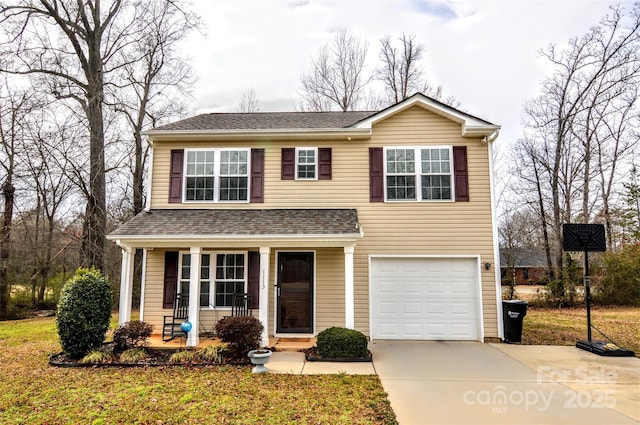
471, 126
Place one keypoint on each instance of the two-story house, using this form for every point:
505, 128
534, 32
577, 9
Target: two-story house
379, 221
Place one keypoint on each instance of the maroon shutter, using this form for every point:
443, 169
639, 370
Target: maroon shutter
254, 279
170, 279
376, 175
257, 176
461, 173
175, 176
324, 164
288, 164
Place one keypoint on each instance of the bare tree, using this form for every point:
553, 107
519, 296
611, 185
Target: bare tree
154, 78
399, 68
15, 105
337, 77
587, 72
249, 102
72, 44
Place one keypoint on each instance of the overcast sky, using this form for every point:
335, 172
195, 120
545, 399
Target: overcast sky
484, 53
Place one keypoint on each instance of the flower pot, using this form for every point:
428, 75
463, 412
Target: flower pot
259, 358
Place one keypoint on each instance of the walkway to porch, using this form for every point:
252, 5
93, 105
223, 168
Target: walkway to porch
278, 344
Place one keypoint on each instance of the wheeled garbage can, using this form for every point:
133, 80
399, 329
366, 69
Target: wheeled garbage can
513, 312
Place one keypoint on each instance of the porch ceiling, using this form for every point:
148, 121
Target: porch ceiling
239, 227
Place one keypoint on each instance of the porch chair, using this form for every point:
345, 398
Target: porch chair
171, 324
241, 305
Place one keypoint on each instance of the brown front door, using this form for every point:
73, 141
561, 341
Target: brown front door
295, 292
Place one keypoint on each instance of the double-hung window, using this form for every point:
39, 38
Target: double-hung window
418, 174
306, 163
221, 276
217, 175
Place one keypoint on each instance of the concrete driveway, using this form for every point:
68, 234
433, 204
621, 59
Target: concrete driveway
435, 382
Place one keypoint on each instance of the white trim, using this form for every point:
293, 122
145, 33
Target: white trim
238, 241
126, 285
315, 164
349, 288
418, 172
346, 134
496, 243
216, 175
143, 285
263, 303
147, 205
480, 318
194, 296
313, 294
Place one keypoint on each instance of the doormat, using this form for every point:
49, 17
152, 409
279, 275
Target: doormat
294, 339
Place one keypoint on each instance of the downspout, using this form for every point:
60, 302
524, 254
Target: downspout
494, 224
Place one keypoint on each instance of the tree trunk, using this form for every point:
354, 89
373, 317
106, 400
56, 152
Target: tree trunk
8, 191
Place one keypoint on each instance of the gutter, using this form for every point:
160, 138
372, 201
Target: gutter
262, 134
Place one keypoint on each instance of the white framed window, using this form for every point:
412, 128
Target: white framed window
418, 173
216, 175
222, 274
306, 163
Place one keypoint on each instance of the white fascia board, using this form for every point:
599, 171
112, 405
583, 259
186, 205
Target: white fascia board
275, 134
471, 126
236, 241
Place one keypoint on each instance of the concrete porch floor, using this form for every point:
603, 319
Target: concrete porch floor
278, 344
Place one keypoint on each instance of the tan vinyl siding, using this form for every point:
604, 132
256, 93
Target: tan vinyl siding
419, 228
153, 290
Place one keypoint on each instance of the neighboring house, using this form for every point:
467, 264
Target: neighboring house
379, 221
526, 266
523, 266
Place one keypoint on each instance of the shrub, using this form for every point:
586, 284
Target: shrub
133, 355
97, 356
342, 343
212, 353
184, 356
242, 334
621, 283
132, 334
83, 312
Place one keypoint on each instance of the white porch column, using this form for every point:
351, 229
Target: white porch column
126, 286
194, 297
349, 298
264, 293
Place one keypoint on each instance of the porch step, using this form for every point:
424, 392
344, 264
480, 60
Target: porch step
292, 344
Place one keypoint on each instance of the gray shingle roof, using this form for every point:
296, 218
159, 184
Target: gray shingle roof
217, 222
267, 121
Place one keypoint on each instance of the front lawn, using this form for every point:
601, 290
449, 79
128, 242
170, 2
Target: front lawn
552, 326
32, 392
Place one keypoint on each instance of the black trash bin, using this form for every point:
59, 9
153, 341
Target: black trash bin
513, 312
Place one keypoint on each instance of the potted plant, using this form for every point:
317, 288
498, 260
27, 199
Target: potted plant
259, 358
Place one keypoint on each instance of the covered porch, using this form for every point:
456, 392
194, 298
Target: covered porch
288, 259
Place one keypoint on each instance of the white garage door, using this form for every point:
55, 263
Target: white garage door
424, 298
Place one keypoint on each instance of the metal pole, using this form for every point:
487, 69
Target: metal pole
587, 289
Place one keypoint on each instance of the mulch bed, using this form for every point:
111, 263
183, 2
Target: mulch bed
311, 354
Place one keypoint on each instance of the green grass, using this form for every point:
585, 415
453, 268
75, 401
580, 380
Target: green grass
549, 326
32, 392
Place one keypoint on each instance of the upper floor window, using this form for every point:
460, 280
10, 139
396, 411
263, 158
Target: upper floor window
306, 163
217, 175
418, 173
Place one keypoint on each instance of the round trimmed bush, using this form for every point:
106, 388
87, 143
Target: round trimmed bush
342, 343
84, 312
242, 334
